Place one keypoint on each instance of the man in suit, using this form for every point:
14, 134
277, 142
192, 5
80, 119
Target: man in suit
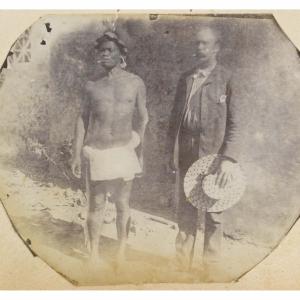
206, 119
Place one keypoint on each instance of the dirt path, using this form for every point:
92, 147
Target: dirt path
51, 219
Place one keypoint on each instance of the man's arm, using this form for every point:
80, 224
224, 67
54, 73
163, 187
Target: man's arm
142, 117
237, 116
80, 131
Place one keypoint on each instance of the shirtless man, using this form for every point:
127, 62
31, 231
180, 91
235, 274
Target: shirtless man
105, 142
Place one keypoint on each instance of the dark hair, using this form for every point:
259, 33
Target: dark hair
112, 37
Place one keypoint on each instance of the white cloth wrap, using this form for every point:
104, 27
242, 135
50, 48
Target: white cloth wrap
113, 163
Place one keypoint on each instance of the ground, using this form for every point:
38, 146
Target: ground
51, 220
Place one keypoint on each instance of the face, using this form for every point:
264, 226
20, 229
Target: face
207, 45
109, 54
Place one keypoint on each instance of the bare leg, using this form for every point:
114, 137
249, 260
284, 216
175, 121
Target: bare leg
95, 218
123, 216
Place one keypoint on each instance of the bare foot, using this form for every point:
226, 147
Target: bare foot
87, 242
120, 260
183, 260
184, 264
95, 261
121, 257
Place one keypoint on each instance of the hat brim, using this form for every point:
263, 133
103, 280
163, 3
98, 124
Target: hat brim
202, 192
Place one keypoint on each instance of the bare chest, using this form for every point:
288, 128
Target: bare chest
107, 96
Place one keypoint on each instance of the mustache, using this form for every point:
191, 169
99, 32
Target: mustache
197, 55
99, 61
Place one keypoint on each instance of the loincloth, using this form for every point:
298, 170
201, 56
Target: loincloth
113, 163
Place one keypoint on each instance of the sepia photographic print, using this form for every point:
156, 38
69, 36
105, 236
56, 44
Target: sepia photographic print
151, 148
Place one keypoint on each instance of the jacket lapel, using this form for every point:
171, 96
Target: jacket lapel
213, 75
189, 84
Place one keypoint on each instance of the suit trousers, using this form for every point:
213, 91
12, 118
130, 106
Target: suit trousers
187, 214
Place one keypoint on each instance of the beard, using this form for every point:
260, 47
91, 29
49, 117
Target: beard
205, 60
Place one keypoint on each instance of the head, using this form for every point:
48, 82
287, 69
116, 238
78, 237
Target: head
110, 50
207, 45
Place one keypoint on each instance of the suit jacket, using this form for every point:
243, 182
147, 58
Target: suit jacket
221, 115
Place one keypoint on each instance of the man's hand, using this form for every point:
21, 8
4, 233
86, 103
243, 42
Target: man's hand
141, 161
225, 173
76, 167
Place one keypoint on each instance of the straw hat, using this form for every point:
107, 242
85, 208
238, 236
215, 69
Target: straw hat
202, 192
